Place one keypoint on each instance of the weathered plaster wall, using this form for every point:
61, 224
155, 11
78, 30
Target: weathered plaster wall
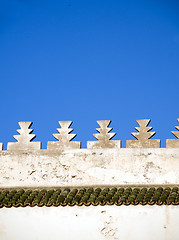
85, 167
90, 223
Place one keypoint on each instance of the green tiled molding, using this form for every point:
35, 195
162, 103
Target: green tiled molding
90, 196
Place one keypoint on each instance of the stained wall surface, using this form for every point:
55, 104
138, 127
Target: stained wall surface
88, 167
90, 223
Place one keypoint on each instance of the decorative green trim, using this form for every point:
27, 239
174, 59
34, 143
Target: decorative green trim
90, 196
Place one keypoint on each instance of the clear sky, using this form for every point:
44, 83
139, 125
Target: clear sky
89, 60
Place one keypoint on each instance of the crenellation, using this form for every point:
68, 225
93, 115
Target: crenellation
104, 138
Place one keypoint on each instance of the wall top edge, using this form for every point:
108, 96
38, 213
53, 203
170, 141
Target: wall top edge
89, 151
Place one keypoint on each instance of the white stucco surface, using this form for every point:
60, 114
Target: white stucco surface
90, 223
88, 167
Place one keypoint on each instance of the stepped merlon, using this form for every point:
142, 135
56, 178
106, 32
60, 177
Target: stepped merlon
24, 139
104, 137
173, 143
64, 138
143, 136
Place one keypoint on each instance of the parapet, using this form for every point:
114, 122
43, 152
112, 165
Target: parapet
103, 163
139, 183
89, 167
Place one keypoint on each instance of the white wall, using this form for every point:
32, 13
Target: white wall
90, 223
86, 167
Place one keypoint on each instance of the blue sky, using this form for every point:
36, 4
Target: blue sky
86, 61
